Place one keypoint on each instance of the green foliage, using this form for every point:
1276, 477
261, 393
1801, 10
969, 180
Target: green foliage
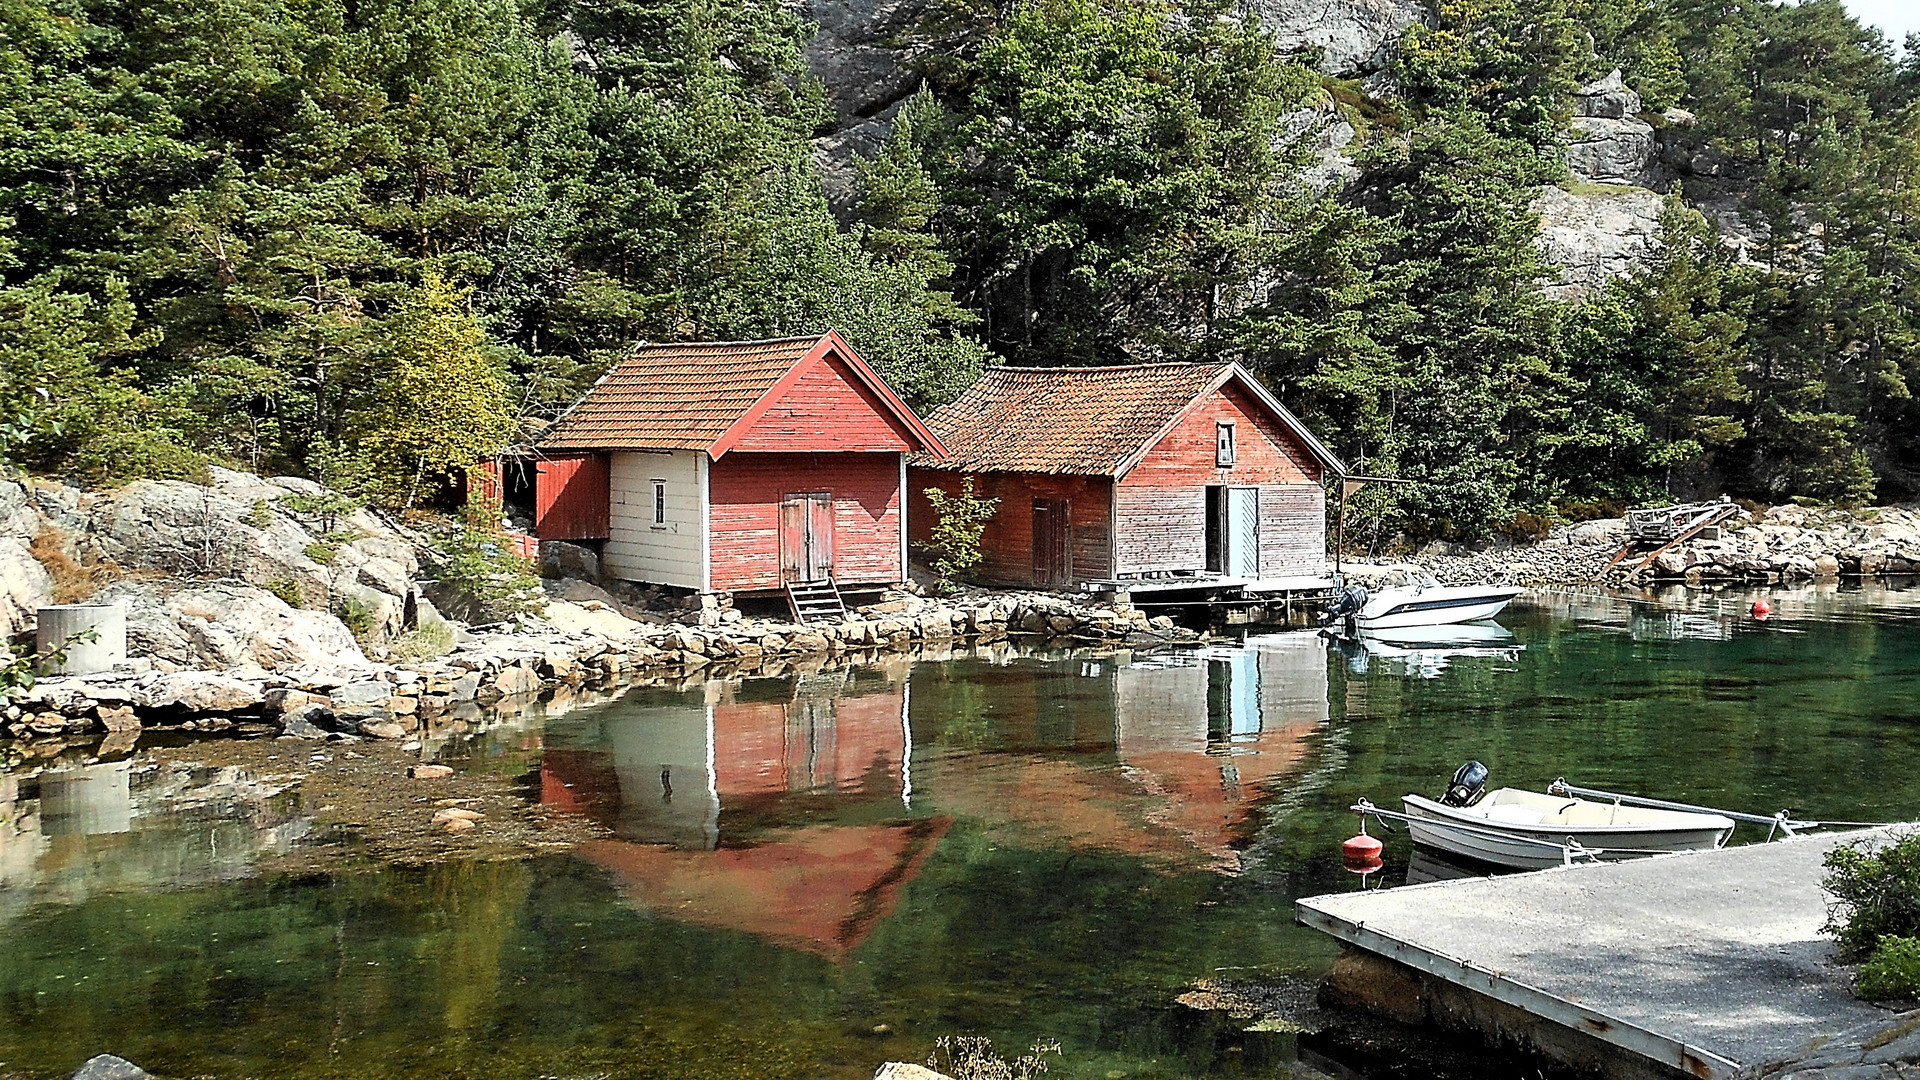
259, 515
1876, 895
368, 240
1106, 174
1892, 972
445, 403
289, 590
323, 552
476, 560
959, 521
356, 615
20, 664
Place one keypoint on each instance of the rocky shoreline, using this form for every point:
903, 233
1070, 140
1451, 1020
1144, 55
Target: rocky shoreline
1758, 546
575, 646
239, 597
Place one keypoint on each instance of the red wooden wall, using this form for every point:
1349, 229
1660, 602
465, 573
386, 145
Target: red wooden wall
571, 497
1008, 539
825, 408
745, 489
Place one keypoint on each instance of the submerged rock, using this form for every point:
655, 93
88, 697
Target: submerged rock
109, 1067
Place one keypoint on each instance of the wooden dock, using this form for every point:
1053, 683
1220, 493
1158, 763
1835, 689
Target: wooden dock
1692, 964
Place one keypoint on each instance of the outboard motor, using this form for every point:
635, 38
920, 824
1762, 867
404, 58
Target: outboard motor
1469, 781
1351, 600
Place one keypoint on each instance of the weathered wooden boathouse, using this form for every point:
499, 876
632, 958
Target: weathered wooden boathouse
1144, 477
736, 467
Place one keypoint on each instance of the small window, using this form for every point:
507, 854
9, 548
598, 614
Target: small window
1223, 455
659, 503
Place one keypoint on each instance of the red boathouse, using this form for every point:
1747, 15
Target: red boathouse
1147, 471
736, 466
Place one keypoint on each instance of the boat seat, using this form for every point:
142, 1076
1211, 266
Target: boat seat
1514, 814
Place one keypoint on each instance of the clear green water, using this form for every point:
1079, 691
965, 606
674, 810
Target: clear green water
850, 866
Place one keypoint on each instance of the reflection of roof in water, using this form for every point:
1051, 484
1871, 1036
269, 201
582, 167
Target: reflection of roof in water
821, 889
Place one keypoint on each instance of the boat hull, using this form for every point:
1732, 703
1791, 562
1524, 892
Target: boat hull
1440, 828
1434, 607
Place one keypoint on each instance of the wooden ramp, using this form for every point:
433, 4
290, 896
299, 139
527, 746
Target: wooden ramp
1701, 962
810, 600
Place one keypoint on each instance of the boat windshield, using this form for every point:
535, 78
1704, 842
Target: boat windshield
1410, 577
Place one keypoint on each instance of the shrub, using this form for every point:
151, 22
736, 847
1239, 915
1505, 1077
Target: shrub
357, 615
289, 592
1893, 971
1876, 895
971, 1057
260, 516
1528, 528
73, 583
959, 521
323, 552
477, 560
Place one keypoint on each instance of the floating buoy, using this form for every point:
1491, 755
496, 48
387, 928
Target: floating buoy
1361, 853
1762, 609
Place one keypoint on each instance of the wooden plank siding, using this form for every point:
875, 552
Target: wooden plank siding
1293, 530
745, 490
825, 408
1160, 505
570, 498
638, 548
1008, 539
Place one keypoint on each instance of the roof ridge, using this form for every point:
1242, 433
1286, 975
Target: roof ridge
1114, 367
752, 341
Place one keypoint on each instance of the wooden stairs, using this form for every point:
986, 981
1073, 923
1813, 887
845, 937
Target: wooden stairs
810, 600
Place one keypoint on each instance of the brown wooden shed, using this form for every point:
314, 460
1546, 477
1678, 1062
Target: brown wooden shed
1135, 472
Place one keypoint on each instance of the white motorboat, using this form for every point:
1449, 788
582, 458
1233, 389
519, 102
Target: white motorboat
1530, 830
1409, 596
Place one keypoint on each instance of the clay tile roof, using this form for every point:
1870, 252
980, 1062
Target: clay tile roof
1074, 421
676, 397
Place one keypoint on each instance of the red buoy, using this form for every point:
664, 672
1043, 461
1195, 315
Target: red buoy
1762, 609
1361, 853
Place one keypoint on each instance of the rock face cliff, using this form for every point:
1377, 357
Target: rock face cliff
1601, 226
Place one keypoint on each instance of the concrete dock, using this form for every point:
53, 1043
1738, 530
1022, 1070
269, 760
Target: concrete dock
1699, 963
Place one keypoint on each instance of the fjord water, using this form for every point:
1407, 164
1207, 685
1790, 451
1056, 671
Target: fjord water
810, 874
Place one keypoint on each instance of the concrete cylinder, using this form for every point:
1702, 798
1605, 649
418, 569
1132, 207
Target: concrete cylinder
61, 628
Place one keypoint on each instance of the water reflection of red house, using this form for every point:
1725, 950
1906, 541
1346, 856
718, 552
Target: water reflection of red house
1200, 744
715, 808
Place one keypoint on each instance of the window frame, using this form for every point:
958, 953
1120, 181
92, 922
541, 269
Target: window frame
1226, 450
659, 503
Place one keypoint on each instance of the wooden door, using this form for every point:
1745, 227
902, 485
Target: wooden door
806, 536
1052, 540
1243, 532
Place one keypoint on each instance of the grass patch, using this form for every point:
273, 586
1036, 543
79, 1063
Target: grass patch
260, 516
1360, 109
430, 640
322, 552
73, 583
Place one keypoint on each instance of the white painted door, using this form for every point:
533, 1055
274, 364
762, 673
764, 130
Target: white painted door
1243, 532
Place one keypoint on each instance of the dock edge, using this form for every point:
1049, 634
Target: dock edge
1662, 1049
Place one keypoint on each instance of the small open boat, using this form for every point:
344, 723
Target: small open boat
1530, 830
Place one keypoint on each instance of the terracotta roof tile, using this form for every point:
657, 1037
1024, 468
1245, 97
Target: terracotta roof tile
1073, 421
675, 397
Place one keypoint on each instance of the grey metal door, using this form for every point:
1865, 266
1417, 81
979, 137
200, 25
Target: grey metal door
1243, 532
